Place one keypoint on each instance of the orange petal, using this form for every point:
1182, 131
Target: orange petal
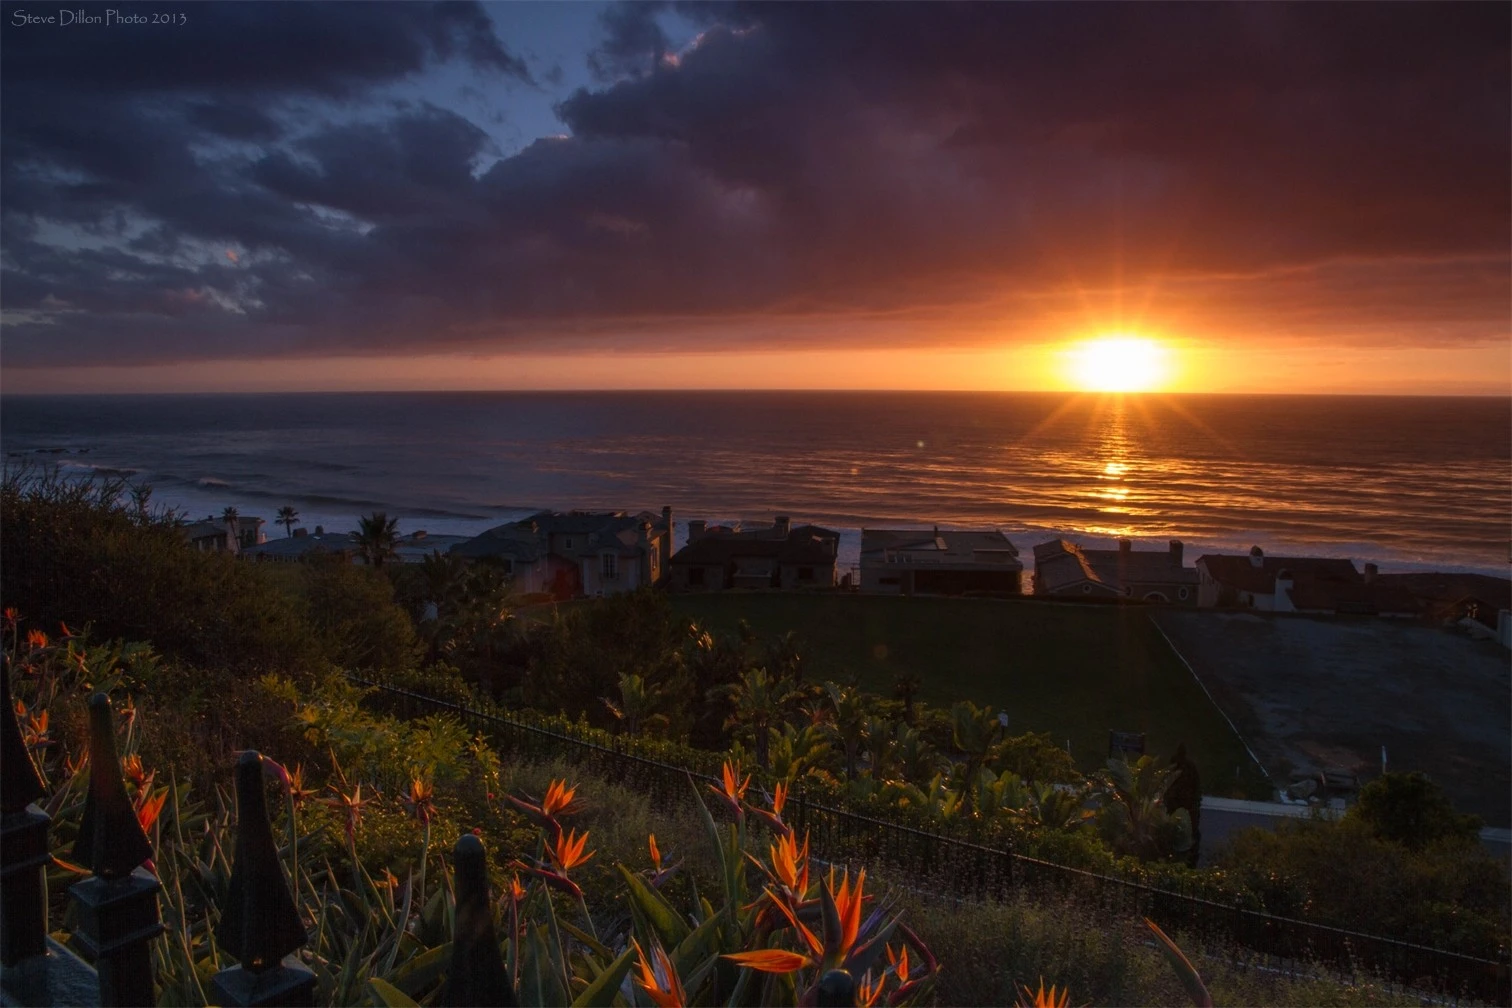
771, 960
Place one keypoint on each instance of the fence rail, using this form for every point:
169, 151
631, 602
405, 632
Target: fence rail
961, 867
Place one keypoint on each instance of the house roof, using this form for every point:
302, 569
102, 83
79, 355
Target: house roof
1139, 567
294, 546
516, 540
953, 544
1238, 571
213, 526
414, 549
802, 546
528, 539
1446, 589
1066, 570
1311, 594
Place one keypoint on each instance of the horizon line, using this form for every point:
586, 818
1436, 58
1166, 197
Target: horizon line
749, 391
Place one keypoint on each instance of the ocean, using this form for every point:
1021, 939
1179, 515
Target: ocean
1411, 483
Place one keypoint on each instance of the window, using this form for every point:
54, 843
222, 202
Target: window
1086, 589
805, 573
507, 564
888, 581
696, 576
610, 566
1181, 594
567, 543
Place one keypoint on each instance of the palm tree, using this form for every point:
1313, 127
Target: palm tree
636, 705
975, 732
849, 727
906, 688
757, 700
233, 528
376, 537
287, 516
1135, 819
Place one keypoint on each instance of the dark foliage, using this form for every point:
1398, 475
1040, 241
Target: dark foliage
94, 552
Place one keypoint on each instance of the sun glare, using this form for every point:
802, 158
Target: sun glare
1118, 364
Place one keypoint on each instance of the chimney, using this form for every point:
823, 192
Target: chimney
783, 525
1125, 547
1257, 557
666, 543
301, 532
1176, 552
1371, 570
320, 530
696, 529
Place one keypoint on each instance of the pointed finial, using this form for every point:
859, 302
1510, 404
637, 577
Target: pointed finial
476, 975
19, 783
259, 923
110, 841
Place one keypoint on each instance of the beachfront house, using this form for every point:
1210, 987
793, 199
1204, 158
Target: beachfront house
300, 545
1063, 568
577, 553
213, 535
1453, 597
782, 555
939, 562
408, 549
1319, 585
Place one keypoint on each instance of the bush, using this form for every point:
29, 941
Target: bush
353, 611
1409, 809
86, 553
1342, 873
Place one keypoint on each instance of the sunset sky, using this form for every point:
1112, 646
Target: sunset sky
1282, 198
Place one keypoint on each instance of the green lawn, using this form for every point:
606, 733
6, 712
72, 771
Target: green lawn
1074, 671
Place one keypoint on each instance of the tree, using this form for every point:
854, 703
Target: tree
287, 516
975, 733
1409, 809
849, 727
636, 706
1134, 817
376, 538
233, 528
354, 612
757, 701
79, 551
906, 688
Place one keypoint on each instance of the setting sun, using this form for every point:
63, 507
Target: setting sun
1118, 364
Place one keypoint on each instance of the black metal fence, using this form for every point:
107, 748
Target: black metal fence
962, 867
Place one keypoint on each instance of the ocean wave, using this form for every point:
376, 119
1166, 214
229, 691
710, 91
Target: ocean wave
87, 468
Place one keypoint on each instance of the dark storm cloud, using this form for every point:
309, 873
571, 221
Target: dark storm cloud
1269, 168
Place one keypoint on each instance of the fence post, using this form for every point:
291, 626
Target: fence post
476, 973
259, 923
118, 910
23, 843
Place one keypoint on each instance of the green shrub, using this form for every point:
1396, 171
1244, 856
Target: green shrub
1409, 809
83, 553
